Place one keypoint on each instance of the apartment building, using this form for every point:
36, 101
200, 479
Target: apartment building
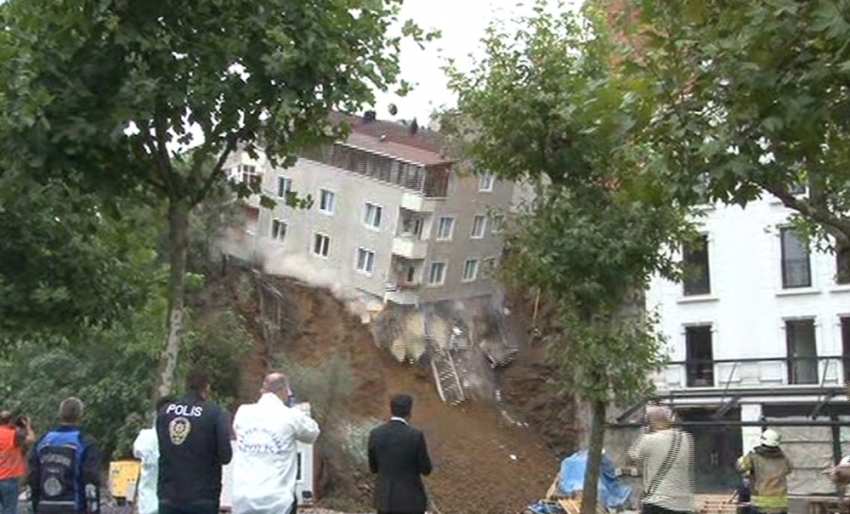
393, 218
759, 329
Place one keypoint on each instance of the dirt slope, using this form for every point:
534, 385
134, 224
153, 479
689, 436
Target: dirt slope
481, 466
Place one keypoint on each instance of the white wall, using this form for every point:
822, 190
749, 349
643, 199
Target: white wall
747, 305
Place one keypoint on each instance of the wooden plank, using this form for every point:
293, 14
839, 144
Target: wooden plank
570, 503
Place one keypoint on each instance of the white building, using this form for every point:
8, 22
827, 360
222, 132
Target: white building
760, 328
393, 217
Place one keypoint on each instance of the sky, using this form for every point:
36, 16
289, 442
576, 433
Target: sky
462, 23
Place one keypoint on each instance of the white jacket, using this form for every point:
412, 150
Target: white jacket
146, 449
265, 462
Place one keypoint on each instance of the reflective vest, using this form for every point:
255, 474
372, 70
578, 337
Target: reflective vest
769, 486
60, 457
11, 457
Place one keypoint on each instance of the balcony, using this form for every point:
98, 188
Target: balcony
418, 202
402, 292
410, 247
722, 375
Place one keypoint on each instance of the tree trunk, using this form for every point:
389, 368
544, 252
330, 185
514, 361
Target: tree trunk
594, 457
178, 238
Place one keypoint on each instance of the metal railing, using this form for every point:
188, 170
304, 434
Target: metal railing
766, 371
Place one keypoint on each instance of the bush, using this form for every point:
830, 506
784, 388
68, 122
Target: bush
326, 387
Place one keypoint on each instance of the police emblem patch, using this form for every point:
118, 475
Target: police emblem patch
52, 486
178, 430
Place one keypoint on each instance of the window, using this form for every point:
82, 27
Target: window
437, 273
470, 270
321, 245
445, 227
845, 348
842, 265
365, 260
479, 225
327, 201
278, 230
485, 182
489, 266
699, 356
802, 351
248, 175
411, 227
497, 222
372, 216
796, 268
697, 280
284, 186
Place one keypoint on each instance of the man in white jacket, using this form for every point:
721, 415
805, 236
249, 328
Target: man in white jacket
146, 449
265, 462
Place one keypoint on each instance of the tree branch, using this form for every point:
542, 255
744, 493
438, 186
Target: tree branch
142, 155
218, 169
837, 227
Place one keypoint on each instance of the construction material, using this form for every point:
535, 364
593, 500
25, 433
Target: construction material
716, 504
571, 503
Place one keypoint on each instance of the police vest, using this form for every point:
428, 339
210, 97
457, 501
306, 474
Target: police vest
60, 457
11, 457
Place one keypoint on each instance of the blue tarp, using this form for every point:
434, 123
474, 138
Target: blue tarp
612, 493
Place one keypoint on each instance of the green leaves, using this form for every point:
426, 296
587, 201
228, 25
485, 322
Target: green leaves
64, 264
548, 105
749, 94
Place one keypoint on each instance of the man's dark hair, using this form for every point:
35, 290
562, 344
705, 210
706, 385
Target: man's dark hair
401, 405
197, 380
162, 402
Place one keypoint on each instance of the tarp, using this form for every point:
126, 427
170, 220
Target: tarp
612, 493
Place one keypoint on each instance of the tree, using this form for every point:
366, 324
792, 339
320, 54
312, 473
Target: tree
750, 98
64, 266
545, 105
153, 97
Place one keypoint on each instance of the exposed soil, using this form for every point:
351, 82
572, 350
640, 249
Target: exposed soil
529, 386
481, 465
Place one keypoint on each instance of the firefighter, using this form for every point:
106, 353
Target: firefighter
767, 468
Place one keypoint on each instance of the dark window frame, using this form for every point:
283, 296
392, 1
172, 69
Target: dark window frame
786, 262
701, 284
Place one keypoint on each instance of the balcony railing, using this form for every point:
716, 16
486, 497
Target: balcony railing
764, 372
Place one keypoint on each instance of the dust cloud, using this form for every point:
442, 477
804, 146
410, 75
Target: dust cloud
275, 261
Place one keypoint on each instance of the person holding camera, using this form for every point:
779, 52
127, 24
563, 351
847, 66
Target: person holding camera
14, 436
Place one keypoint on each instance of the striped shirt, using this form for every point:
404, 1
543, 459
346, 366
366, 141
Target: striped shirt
675, 491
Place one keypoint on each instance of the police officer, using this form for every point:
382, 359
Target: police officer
65, 467
194, 444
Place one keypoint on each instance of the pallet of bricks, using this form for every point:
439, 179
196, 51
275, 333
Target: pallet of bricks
569, 503
716, 504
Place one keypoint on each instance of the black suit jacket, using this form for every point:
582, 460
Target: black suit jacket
399, 455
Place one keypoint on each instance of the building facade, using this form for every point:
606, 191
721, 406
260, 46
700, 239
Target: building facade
393, 217
759, 329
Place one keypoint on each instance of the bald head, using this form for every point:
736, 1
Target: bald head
659, 417
5, 417
276, 383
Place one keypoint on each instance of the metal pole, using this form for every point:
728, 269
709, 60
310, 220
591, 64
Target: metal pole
836, 440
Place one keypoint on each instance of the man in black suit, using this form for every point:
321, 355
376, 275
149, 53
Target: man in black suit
399, 455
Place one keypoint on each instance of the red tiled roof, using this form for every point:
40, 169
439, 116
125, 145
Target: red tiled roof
400, 151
